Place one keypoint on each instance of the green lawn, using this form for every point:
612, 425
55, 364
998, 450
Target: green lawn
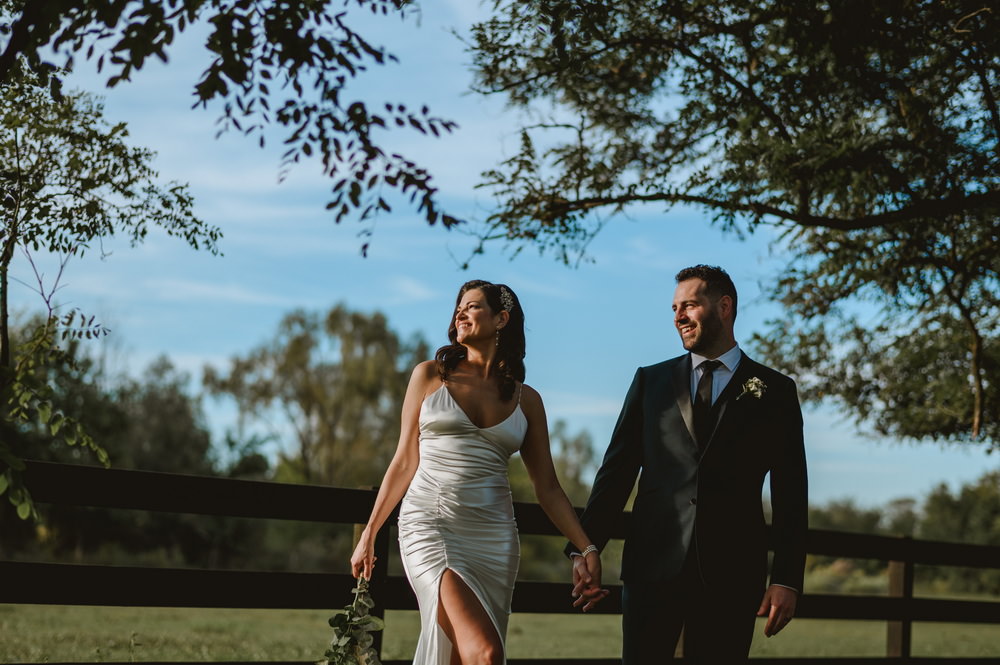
36, 633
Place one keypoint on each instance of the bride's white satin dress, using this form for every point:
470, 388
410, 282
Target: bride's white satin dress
457, 514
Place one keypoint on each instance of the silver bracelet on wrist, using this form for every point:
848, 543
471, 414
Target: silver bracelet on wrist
588, 549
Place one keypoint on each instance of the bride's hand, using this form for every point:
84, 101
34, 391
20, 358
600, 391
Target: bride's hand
587, 581
363, 559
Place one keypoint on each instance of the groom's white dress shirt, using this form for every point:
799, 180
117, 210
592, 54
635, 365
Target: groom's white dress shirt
720, 377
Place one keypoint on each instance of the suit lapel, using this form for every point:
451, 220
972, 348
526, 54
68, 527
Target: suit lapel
682, 389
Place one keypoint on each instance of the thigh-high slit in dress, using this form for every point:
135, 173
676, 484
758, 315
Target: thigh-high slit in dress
457, 515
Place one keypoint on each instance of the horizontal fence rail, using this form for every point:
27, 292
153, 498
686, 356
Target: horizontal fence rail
79, 584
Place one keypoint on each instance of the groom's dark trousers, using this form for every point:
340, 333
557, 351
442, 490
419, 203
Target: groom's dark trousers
717, 628
696, 545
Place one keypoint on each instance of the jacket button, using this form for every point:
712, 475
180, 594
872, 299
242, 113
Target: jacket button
694, 502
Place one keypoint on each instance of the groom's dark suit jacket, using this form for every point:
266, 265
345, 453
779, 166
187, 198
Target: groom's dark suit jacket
714, 498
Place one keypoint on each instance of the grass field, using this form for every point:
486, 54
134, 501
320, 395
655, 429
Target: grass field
35, 633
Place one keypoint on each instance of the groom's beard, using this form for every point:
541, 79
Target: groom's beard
709, 329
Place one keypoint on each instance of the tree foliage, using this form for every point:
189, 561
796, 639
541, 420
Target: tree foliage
69, 180
869, 132
840, 115
899, 326
969, 514
151, 422
333, 384
284, 64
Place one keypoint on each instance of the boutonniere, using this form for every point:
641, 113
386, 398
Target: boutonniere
755, 387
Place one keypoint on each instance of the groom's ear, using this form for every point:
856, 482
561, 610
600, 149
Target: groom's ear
726, 306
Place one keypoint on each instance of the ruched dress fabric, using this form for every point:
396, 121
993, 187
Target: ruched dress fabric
457, 514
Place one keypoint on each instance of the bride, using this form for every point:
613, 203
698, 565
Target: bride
464, 414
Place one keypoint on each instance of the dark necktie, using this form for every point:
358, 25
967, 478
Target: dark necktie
703, 403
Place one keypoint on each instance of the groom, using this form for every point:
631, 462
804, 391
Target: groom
704, 428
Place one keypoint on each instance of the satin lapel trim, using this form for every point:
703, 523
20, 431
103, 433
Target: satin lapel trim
682, 389
735, 384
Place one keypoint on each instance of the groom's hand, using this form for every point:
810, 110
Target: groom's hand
587, 589
778, 606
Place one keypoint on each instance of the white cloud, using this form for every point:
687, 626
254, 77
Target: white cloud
576, 404
179, 290
410, 289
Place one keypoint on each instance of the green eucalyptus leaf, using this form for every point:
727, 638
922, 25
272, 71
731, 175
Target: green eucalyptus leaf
374, 623
24, 510
56, 422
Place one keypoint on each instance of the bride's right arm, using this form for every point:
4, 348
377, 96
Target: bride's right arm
401, 469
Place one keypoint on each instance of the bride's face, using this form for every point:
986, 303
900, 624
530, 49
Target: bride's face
474, 319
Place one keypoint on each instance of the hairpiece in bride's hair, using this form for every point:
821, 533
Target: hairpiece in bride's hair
506, 299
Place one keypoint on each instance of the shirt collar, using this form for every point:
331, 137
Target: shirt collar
730, 358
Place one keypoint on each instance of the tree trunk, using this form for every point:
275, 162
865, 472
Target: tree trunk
5, 259
10, 242
977, 380
4, 329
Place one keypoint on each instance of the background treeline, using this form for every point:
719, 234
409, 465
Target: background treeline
319, 403
969, 514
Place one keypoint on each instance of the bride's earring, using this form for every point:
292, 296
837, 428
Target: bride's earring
498, 337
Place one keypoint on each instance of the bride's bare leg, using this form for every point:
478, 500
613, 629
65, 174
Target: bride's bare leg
465, 622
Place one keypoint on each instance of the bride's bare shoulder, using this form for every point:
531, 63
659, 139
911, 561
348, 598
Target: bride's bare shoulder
530, 398
425, 377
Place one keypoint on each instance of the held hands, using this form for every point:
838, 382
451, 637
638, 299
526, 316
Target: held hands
587, 589
778, 606
363, 559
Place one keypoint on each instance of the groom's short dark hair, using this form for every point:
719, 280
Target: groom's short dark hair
717, 281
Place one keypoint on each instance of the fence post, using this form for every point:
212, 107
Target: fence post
899, 635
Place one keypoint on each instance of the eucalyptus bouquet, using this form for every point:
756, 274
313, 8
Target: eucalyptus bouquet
352, 629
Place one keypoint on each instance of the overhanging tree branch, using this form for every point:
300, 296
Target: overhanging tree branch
557, 208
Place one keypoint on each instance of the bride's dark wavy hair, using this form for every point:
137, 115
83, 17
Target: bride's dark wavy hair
510, 339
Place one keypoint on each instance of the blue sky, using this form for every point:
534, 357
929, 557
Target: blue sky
588, 327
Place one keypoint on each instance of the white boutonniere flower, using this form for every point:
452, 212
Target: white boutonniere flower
755, 387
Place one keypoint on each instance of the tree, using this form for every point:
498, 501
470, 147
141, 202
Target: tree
900, 327
835, 573
332, 383
273, 63
867, 132
151, 422
971, 515
69, 180
842, 115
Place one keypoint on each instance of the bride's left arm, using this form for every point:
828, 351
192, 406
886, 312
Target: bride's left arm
537, 457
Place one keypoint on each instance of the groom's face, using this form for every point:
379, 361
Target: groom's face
697, 317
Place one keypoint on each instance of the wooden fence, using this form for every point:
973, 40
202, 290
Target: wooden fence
71, 584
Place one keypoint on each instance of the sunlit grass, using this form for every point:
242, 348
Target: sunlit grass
37, 633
